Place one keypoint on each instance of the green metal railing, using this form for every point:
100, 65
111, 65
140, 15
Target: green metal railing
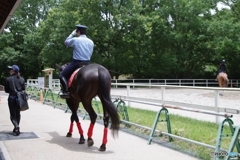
218, 155
157, 119
163, 111
122, 109
52, 98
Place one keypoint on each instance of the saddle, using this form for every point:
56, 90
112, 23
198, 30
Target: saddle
72, 76
74, 73
69, 82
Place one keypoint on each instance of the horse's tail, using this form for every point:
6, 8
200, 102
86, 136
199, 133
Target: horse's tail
226, 79
104, 90
223, 79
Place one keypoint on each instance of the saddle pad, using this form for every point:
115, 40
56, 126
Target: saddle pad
72, 76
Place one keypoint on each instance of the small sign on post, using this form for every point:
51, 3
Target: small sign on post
49, 73
41, 82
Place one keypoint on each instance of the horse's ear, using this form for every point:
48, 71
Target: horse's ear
59, 67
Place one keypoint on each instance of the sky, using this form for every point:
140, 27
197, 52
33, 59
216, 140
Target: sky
221, 5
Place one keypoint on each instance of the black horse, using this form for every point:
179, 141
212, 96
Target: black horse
90, 81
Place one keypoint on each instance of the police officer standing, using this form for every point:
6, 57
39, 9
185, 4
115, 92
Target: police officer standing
14, 80
82, 52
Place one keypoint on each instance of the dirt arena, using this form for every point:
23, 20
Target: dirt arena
230, 99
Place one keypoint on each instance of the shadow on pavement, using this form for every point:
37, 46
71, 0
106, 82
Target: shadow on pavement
71, 144
8, 135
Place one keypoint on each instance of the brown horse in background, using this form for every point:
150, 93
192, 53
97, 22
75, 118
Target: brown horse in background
222, 80
90, 81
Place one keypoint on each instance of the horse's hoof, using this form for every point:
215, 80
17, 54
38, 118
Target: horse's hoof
90, 142
69, 134
81, 141
102, 148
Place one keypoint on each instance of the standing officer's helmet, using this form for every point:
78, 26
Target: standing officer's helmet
223, 61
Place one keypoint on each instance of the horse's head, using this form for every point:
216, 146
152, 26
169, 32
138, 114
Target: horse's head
61, 67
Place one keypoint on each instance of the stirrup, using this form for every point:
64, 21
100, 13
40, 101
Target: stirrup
64, 95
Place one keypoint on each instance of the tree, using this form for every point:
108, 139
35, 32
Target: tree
224, 29
21, 47
147, 39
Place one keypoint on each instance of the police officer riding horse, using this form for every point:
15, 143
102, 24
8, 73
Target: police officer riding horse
82, 52
82, 85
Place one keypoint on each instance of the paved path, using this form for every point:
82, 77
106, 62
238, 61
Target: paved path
51, 126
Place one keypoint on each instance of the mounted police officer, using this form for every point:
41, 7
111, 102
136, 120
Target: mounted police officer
222, 67
14, 83
82, 52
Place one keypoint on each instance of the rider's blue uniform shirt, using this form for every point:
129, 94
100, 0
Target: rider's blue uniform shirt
82, 47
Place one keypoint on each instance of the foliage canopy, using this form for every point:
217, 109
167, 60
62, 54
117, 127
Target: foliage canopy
147, 39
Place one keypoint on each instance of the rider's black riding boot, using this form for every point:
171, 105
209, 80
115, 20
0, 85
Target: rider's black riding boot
64, 85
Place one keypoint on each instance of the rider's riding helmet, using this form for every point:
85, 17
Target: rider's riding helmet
223, 60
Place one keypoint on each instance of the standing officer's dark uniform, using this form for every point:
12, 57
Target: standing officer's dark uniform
14, 110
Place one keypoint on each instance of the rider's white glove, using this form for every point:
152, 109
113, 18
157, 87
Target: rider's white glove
74, 32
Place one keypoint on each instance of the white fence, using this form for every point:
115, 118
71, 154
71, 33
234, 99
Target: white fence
212, 108
182, 84
179, 82
34, 82
150, 82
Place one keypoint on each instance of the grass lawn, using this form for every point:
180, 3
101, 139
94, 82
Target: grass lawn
201, 131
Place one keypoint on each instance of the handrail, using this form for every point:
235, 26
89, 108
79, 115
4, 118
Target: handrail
186, 105
178, 107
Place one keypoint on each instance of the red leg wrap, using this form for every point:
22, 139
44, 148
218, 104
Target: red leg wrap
71, 128
105, 132
79, 128
90, 130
